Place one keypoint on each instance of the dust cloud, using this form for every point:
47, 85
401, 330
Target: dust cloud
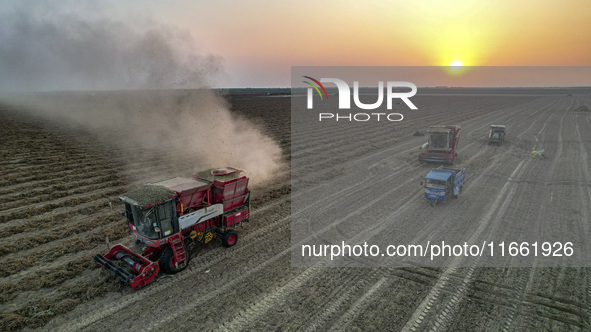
159, 107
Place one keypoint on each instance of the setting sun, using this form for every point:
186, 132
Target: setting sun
456, 65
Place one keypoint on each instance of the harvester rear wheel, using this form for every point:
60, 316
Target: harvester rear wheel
167, 260
433, 202
229, 238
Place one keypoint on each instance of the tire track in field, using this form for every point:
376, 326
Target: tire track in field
358, 306
275, 299
346, 191
288, 250
175, 277
385, 218
526, 275
579, 170
257, 316
336, 304
364, 277
445, 316
205, 258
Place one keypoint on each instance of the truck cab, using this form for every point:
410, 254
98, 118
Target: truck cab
442, 183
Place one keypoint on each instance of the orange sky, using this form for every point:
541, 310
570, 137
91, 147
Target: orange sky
260, 40
261, 37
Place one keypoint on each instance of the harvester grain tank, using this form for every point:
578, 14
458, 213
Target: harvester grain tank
497, 134
164, 216
442, 183
442, 145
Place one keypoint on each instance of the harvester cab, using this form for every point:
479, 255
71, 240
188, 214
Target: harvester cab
442, 145
151, 221
163, 216
497, 134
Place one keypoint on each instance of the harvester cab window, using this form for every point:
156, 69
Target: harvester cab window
128, 213
438, 141
144, 221
165, 218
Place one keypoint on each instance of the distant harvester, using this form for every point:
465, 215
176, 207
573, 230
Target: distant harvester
442, 145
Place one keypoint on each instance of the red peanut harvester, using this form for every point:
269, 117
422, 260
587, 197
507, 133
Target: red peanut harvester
164, 216
443, 144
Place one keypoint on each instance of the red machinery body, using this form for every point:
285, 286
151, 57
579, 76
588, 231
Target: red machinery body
443, 144
165, 215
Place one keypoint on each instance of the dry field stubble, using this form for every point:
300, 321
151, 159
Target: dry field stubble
54, 219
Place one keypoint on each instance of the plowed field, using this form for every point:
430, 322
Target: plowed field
55, 181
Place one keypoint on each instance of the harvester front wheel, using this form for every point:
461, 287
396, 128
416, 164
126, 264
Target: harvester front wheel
229, 238
168, 262
433, 202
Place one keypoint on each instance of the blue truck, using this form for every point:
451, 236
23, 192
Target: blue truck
442, 183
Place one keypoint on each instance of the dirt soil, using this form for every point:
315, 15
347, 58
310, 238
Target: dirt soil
54, 218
